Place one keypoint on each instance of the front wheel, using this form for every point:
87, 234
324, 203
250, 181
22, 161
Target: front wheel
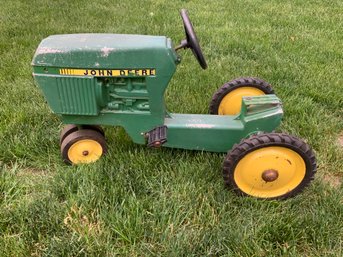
270, 166
83, 146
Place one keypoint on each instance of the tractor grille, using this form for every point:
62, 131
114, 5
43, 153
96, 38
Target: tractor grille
77, 96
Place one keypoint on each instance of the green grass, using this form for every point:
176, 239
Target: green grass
141, 202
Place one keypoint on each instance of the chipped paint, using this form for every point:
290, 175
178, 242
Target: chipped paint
48, 50
199, 126
105, 51
256, 116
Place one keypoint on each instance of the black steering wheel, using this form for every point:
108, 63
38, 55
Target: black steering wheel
191, 40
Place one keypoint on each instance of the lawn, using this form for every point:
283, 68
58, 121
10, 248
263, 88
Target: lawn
145, 202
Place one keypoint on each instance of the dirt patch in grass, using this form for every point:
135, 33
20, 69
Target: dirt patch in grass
340, 140
31, 172
78, 222
333, 180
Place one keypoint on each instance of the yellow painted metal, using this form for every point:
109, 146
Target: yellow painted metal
288, 164
232, 102
85, 151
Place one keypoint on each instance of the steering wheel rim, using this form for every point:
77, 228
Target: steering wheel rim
192, 41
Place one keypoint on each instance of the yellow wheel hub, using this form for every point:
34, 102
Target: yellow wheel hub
269, 172
232, 102
85, 151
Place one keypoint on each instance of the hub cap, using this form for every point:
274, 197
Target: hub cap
270, 175
85, 151
269, 172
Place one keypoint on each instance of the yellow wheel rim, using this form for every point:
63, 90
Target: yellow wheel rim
232, 102
85, 151
287, 167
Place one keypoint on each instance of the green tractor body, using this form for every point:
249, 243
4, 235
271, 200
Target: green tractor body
120, 80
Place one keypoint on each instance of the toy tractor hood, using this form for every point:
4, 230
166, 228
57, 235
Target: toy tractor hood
115, 51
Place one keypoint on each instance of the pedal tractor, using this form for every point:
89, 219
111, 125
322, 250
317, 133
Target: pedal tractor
120, 80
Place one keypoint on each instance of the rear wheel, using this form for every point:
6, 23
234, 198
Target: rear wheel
228, 99
83, 146
270, 166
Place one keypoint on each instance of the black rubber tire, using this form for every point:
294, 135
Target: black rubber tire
70, 128
78, 135
94, 127
266, 140
234, 84
67, 130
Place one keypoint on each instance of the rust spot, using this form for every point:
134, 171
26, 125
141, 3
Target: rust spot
157, 144
270, 175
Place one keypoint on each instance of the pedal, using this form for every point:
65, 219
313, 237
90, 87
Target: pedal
157, 136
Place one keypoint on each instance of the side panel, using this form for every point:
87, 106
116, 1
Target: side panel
215, 133
218, 133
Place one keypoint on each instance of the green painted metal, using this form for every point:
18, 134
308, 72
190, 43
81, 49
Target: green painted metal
95, 51
218, 133
59, 56
120, 80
